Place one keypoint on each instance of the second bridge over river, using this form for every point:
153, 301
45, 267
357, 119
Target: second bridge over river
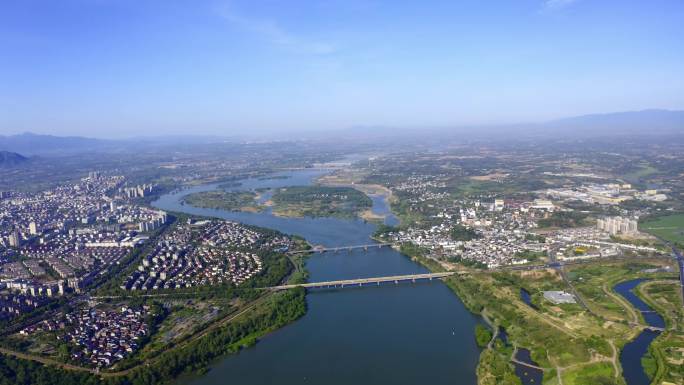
366, 281
323, 249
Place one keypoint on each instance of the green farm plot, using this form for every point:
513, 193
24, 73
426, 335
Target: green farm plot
596, 373
670, 228
644, 170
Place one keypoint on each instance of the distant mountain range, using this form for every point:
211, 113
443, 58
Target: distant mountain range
10, 159
633, 123
38, 144
29, 143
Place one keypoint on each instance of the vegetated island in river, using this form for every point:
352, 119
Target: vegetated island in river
293, 202
319, 201
225, 200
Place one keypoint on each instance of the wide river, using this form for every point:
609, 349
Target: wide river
390, 334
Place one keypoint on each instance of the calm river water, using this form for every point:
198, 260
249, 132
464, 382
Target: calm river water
630, 357
398, 334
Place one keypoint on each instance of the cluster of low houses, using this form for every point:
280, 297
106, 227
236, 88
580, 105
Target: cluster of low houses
505, 230
200, 253
500, 234
104, 337
99, 337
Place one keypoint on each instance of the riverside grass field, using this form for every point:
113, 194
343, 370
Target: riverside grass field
670, 228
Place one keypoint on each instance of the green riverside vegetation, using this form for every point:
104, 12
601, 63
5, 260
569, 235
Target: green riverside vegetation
494, 369
670, 228
320, 201
224, 200
566, 340
665, 357
191, 358
482, 335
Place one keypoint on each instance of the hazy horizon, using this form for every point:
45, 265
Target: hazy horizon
120, 69
550, 126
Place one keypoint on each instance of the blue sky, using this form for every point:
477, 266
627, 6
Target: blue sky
117, 68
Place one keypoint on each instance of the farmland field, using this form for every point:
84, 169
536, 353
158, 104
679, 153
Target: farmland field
670, 227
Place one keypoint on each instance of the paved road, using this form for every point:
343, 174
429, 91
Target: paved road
362, 281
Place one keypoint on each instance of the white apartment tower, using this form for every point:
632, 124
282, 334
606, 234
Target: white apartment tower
617, 225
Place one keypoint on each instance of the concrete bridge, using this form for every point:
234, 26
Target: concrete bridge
514, 359
366, 281
323, 249
646, 327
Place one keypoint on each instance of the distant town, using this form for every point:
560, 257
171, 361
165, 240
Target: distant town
128, 272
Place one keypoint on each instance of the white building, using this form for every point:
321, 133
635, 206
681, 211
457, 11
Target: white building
543, 204
617, 225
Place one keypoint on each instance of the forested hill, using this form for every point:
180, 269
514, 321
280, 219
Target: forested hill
10, 159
